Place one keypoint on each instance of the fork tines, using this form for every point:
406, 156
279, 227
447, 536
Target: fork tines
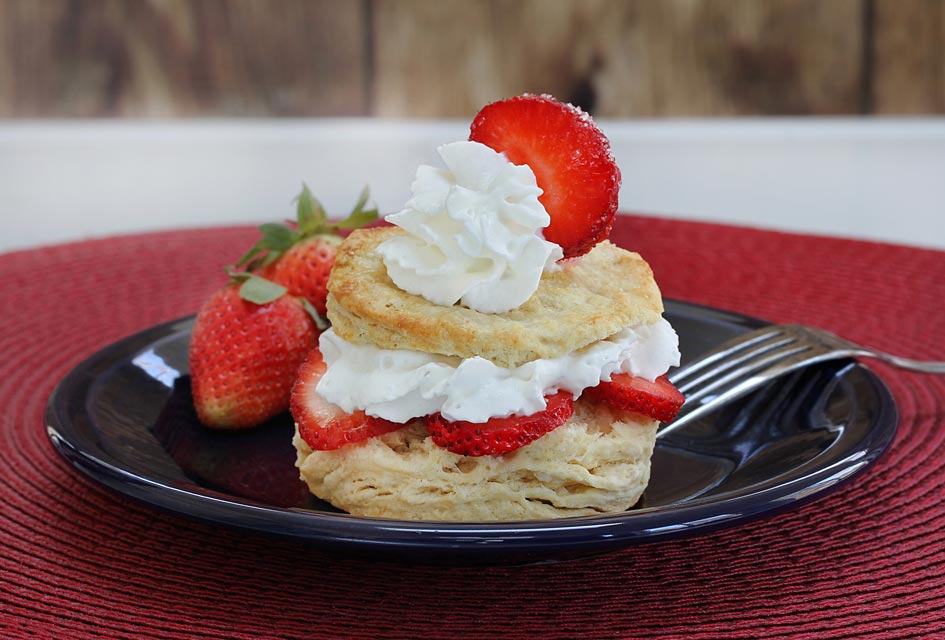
736, 368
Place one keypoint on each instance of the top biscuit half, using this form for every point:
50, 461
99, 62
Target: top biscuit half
587, 300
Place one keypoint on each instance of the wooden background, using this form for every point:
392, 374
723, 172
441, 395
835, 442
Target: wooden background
445, 58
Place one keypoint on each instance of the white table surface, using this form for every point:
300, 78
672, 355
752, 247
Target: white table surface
59, 181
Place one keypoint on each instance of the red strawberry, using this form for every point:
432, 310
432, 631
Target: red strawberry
244, 355
571, 159
323, 425
304, 269
500, 435
300, 257
659, 400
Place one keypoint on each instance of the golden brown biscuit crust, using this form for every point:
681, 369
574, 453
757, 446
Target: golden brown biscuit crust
597, 462
588, 300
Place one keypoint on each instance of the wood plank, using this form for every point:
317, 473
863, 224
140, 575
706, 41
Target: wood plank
182, 58
447, 59
909, 57
733, 57
426, 58
622, 59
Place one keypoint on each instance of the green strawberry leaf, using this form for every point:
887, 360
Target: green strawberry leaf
277, 236
362, 199
249, 255
309, 212
264, 261
320, 321
276, 239
359, 216
236, 277
261, 291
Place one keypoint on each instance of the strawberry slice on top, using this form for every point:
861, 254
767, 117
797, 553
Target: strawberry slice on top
323, 425
499, 435
571, 159
659, 399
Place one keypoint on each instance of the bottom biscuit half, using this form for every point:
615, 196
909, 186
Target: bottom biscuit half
597, 462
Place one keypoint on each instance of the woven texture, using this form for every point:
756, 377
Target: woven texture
868, 561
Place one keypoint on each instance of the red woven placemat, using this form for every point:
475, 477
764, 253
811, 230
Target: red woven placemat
867, 561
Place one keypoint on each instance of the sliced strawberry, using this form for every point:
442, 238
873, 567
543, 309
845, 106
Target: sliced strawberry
571, 159
659, 400
323, 425
500, 435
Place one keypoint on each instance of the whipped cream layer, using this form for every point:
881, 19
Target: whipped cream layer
474, 232
401, 385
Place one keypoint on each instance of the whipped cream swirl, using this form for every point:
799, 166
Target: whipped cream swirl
400, 385
474, 232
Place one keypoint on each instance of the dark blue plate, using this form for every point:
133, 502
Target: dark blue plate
124, 417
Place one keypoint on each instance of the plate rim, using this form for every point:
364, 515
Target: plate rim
598, 533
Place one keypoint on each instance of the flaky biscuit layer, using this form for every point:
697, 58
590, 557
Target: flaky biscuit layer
597, 462
588, 300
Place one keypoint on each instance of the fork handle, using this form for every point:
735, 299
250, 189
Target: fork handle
855, 350
925, 366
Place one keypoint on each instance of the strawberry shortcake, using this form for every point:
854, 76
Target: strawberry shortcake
492, 356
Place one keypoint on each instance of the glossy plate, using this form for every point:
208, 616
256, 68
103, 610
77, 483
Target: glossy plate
124, 417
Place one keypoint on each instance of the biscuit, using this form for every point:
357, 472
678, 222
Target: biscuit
597, 462
587, 300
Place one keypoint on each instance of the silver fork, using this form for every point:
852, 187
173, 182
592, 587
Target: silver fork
753, 359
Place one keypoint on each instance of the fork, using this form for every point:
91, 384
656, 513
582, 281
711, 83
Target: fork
751, 360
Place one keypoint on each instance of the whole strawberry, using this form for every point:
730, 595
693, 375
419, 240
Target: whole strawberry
245, 350
304, 269
300, 256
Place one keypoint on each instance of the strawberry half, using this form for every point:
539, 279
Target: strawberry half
244, 354
500, 435
323, 425
300, 256
571, 159
659, 400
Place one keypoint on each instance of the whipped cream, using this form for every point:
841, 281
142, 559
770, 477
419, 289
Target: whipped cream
400, 385
474, 232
